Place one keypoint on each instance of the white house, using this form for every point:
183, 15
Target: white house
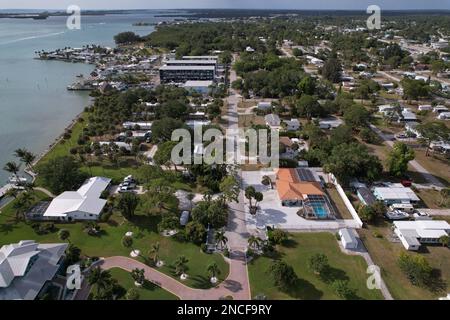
444, 116
408, 115
414, 233
273, 121
142, 125
25, 268
292, 125
348, 239
264, 105
425, 107
83, 204
384, 109
396, 193
440, 108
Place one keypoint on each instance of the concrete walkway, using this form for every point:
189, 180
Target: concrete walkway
362, 251
43, 190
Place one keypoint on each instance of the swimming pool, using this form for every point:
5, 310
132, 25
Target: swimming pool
320, 210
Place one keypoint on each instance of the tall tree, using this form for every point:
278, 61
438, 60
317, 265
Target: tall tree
127, 204
433, 132
398, 159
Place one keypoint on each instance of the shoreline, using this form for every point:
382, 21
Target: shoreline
51, 146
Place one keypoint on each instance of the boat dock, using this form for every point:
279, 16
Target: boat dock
5, 189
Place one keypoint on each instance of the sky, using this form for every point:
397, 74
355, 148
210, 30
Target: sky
257, 4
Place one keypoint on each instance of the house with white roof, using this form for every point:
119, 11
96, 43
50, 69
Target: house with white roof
408, 115
425, 107
414, 233
25, 268
440, 108
444, 116
385, 109
348, 239
264, 105
83, 204
273, 121
396, 193
292, 125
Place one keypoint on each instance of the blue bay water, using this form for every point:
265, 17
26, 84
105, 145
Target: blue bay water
35, 106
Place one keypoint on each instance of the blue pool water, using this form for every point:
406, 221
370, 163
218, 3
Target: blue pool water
320, 210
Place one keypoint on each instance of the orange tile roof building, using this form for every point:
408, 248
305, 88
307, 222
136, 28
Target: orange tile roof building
300, 187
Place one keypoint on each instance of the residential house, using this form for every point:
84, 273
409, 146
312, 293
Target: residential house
414, 233
264, 105
26, 267
444, 116
301, 187
273, 121
425, 107
408, 116
440, 109
395, 193
83, 204
365, 196
292, 125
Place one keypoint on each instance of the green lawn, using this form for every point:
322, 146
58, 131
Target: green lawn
148, 291
108, 243
296, 253
385, 254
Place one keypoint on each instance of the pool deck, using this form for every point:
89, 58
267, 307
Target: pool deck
272, 213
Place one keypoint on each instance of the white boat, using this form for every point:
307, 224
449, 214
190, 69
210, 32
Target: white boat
397, 215
17, 180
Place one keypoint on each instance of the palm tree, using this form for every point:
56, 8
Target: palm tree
22, 204
64, 235
13, 168
181, 265
154, 253
99, 278
254, 242
213, 270
20, 153
221, 239
138, 275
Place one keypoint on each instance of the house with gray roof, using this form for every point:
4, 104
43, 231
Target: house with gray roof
25, 268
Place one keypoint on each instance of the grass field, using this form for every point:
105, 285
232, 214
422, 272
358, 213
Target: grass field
385, 255
108, 243
148, 291
310, 287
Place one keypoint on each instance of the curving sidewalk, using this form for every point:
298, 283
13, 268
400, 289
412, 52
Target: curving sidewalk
230, 287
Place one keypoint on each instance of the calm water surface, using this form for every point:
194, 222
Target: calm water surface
35, 106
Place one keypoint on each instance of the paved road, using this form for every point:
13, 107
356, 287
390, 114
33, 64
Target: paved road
432, 180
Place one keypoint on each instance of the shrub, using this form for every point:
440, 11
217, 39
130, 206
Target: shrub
283, 275
127, 241
132, 294
342, 289
416, 268
226, 252
278, 236
318, 263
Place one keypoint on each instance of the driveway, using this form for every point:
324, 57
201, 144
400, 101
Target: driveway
230, 287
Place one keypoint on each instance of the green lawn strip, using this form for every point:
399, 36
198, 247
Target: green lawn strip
385, 254
310, 287
63, 147
108, 243
148, 291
